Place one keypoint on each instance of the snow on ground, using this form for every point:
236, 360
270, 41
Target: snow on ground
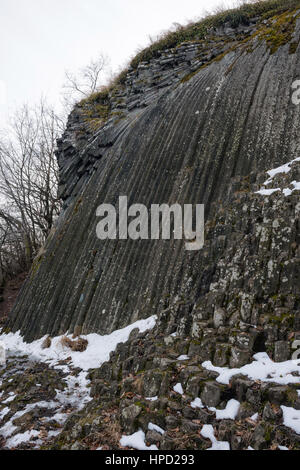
154, 427
262, 368
265, 370
97, 352
178, 389
136, 441
183, 358
230, 412
21, 438
268, 192
286, 168
291, 418
4, 412
208, 433
280, 170
152, 398
11, 397
77, 393
197, 403
9, 428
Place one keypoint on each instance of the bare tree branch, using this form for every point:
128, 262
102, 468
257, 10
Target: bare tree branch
87, 81
28, 180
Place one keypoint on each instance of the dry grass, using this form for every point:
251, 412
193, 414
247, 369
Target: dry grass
110, 433
47, 343
78, 345
198, 30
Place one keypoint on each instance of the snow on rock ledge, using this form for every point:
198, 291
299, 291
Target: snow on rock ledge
97, 352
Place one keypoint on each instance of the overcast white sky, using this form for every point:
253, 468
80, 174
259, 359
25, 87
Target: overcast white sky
40, 39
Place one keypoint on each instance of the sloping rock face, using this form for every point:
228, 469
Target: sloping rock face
198, 124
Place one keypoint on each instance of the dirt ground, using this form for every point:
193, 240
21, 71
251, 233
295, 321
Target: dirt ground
10, 293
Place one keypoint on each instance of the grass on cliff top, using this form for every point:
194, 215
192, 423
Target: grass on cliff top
198, 30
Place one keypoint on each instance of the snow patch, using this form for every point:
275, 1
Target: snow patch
255, 417
281, 169
97, 352
153, 427
208, 433
267, 192
136, 441
263, 368
183, 358
152, 399
11, 397
291, 418
77, 393
4, 412
230, 412
21, 438
197, 403
178, 389
272, 173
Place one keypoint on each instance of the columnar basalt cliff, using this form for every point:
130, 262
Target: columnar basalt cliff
204, 116
192, 124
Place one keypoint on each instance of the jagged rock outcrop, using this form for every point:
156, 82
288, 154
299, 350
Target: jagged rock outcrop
198, 124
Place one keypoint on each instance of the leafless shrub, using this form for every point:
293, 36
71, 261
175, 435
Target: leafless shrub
28, 185
86, 81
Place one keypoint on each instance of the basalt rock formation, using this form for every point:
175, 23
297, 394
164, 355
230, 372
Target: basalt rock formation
198, 123
199, 120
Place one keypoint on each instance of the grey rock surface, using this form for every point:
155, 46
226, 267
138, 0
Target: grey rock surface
205, 137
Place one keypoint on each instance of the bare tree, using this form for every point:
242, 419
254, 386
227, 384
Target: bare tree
86, 82
29, 177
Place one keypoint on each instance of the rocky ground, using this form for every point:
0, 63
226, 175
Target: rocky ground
35, 401
159, 381
154, 387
